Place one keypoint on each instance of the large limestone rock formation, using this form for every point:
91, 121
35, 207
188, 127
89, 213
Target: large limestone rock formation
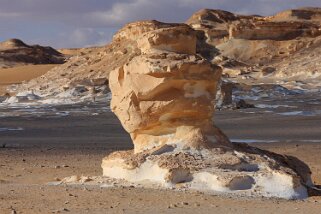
164, 98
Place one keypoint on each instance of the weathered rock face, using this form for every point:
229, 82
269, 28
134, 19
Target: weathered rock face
257, 39
164, 98
166, 91
279, 31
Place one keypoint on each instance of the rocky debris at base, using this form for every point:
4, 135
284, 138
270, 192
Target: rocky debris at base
239, 171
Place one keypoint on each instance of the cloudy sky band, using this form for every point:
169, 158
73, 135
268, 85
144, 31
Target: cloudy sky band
81, 23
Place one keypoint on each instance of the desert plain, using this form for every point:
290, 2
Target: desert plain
75, 145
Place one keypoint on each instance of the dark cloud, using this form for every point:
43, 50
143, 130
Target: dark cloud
72, 23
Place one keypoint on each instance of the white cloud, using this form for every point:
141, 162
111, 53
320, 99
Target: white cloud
83, 37
179, 10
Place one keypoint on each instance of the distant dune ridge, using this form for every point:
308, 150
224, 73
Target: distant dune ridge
20, 62
285, 46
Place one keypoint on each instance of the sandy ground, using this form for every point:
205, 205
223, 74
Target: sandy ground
3, 89
56, 147
24, 173
19, 74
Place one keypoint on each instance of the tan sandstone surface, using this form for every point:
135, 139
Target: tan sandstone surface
20, 74
253, 42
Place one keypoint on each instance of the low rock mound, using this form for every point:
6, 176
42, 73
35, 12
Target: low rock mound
11, 44
15, 52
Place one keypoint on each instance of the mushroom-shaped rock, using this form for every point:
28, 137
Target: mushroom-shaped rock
164, 99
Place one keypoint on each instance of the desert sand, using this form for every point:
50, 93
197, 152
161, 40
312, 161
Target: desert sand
26, 171
22, 73
75, 145
19, 74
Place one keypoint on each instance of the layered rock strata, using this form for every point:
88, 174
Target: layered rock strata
164, 98
256, 39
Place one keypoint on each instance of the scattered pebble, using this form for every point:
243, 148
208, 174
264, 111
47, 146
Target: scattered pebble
172, 205
13, 211
61, 210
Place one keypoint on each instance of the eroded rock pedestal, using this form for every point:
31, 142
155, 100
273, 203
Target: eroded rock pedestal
164, 100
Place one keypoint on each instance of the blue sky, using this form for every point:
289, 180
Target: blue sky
81, 23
